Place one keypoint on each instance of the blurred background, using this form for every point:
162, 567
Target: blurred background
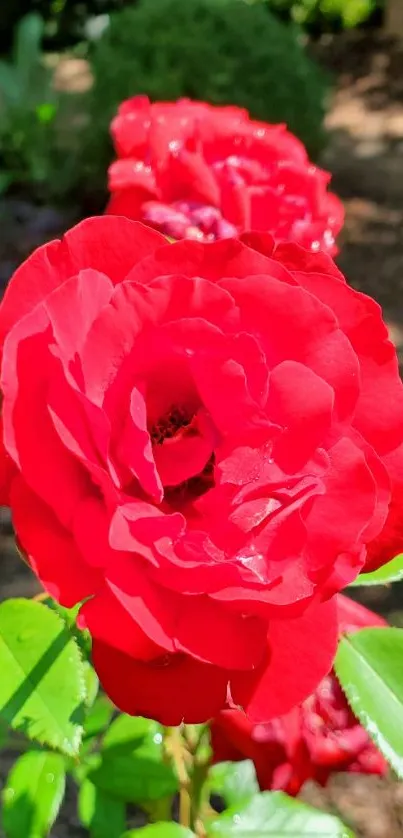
331, 69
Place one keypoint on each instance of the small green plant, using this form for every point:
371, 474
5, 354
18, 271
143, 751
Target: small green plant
29, 105
220, 51
63, 728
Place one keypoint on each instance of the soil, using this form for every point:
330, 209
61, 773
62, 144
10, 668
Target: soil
365, 156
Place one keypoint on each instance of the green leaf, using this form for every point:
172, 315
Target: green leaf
91, 684
391, 572
134, 732
274, 815
27, 48
130, 764
235, 782
10, 89
102, 815
42, 687
98, 717
369, 668
160, 830
69, 616
355, 12
33, 795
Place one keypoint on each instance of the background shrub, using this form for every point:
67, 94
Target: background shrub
222, 51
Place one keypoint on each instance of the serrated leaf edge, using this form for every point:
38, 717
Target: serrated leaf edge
372, 729
73, 750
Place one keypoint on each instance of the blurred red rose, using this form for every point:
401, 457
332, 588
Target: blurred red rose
192, 170
195, 437
313, 741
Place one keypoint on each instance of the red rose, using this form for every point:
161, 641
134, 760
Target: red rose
197, 433
311, 742
192, 170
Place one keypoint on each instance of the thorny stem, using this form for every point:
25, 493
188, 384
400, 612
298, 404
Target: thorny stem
199, 775
181, 745
193, 738
177, 751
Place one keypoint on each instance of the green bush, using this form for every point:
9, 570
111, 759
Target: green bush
222, 51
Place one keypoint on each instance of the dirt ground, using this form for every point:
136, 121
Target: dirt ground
365, 155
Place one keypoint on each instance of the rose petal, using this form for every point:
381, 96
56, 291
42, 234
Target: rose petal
171, 690
51, 550
301, 654
228, 257
302, 403
378, 418
27, 367
108, 244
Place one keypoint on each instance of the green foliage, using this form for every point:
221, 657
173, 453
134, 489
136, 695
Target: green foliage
103, 815
42, 686
27, 105
33, 794
235, 782
221, 51
391, 572
160, 830
50, 694
369, 668
326, 13
98, 718
274, 815
91, 684
31, 152
69, 616
130, 765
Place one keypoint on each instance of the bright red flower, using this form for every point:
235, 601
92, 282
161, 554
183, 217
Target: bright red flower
192, 170
313, 741
197, 435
